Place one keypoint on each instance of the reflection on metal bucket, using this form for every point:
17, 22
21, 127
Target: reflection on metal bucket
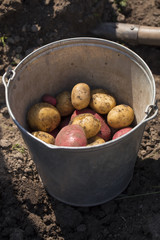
84, 176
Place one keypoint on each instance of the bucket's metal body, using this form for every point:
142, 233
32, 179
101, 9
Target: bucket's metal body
83, 176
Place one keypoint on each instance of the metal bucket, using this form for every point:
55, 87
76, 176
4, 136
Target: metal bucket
84, 176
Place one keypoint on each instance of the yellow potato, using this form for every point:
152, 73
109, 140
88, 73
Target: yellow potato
64, 104
44, 136
101, 101
96, 140
43, 117
80, 96
120, 116
89, 123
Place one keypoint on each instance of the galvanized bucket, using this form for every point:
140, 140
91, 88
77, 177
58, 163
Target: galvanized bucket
84, 176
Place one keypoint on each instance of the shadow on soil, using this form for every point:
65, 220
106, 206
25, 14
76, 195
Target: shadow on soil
14, 221
150, 55
130, 216
26, 25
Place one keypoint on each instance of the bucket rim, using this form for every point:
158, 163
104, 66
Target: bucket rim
110, 44
75, 40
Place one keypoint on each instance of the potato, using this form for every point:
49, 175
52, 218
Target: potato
121, 132
43, 117
105, 131
44, 136
64, 104
49, 99
89, 123
101, 102
80, 96
96, 140
120, 116
85, 110
71, 136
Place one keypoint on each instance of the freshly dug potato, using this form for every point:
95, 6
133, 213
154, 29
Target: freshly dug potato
49, 99
44, 136
85, 110
64, 104
121, 132
120, 116
96, 140
101, 102
89, 123
105, 131
71, 136
80, 96
43, 117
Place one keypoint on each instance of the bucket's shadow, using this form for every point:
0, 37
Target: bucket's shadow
119, 218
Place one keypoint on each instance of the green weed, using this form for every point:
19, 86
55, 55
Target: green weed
2, 40
13, 63
96, 15
121, 4
18, 148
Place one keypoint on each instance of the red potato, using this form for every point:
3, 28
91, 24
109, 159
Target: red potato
105, 131
121, 132
71, 136
49, 99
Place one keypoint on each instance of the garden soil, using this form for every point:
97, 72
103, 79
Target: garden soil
26, 210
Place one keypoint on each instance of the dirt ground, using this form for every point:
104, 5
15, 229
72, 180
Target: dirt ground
26, 210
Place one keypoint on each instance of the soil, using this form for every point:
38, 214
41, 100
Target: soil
26, 210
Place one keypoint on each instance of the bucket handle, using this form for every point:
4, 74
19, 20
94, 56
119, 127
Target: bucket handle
151, 112
8, 75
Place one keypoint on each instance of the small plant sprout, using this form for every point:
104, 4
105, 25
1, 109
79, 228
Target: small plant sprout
2, 40
18, 148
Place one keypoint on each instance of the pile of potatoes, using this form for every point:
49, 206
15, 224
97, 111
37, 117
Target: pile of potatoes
82, 117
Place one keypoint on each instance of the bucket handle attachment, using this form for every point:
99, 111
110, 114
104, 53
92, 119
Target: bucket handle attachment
151, 112
8, 75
